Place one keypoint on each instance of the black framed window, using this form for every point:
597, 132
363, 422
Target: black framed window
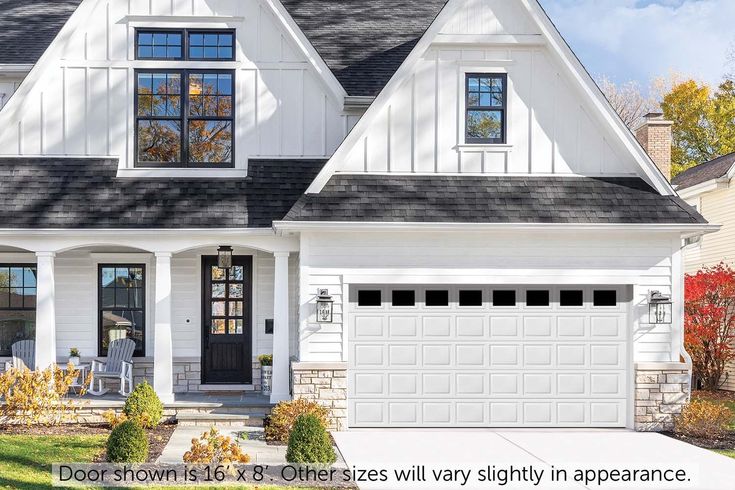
367, 297
121, 305
211, 45
538, 297
605, 298
571, 297
504, 298
185, 44
18, 284
485, 108
437, 297
159, 45
184, 118
403, 297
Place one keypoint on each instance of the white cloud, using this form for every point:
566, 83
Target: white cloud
644, 39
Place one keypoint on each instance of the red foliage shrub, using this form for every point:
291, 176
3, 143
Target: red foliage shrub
709, 322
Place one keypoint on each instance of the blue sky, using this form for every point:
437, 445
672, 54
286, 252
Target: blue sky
643, 39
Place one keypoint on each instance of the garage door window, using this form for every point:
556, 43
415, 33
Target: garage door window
404, 298
605, 298
504, 298
571, 298
537, 298
470, 298
437, 298
369, 298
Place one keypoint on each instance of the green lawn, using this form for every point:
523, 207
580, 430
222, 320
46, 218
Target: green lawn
730, 453
25, 461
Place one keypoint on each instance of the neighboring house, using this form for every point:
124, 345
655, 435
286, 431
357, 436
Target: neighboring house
447, 172
710, 189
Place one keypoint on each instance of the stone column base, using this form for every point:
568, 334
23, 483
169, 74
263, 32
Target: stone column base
325, 383
661, 391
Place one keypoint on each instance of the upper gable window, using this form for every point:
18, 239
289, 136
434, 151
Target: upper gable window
485, 108
160, 45
211, 45
184, 44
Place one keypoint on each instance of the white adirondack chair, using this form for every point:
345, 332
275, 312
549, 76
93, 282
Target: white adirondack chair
24, 355
119, 365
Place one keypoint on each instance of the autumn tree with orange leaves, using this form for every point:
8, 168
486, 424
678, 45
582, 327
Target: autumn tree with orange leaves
710, 323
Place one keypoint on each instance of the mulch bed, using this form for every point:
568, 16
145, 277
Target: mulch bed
721, 396
728, 442
157, 437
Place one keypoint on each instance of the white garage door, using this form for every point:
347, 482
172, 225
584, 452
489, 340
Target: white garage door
488, 356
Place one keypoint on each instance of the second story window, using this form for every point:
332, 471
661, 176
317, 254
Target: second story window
485, 108
184, 44
184, 118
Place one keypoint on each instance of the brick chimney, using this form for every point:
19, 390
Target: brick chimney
654, 134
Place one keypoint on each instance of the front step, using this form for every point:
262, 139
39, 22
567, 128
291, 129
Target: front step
220, 419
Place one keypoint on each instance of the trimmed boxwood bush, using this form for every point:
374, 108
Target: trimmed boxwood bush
144, 406
284, 415
127, 443
309, 442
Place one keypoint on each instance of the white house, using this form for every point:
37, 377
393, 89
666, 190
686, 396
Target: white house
488, 230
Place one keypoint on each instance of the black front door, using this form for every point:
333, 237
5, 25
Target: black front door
226, 321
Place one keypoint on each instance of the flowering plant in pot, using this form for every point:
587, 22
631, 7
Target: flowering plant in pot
266, 372
74, 356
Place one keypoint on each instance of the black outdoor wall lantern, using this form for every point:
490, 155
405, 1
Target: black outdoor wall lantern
324, 307
224, 257
659, 308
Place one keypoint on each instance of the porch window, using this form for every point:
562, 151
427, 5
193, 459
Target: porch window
122, 305
17, 305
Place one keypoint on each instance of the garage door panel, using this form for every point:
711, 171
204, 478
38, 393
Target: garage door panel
504, 327
488, 367
471, 327
437, 327
537, 327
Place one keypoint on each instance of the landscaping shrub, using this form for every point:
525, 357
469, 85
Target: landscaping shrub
38, 397
144, 405
309, 442
114, 419
284, 415
214, 449
127, 443
709, 324
703, 419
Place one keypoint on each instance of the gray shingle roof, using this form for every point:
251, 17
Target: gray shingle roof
491, 199
713, 169
27, 27
363, 41
68, 193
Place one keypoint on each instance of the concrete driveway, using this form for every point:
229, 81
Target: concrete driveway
526, 459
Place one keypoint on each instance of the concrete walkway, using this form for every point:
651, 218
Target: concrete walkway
480, 450
250, 439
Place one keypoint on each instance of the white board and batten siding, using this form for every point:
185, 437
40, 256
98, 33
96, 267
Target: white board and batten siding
82, 104
77, 290
643, 262
550, 129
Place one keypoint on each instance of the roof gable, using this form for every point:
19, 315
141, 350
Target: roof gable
529, 31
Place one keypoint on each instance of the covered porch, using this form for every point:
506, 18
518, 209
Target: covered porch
198, 329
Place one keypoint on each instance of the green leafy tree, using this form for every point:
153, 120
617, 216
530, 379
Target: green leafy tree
704, 122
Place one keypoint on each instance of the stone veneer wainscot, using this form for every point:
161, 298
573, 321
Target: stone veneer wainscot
661, 391
326, 383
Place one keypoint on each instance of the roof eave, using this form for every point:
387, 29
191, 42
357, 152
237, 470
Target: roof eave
704, 187
686, 229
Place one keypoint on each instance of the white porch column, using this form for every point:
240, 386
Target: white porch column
281, 355
163, 381
45, 311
